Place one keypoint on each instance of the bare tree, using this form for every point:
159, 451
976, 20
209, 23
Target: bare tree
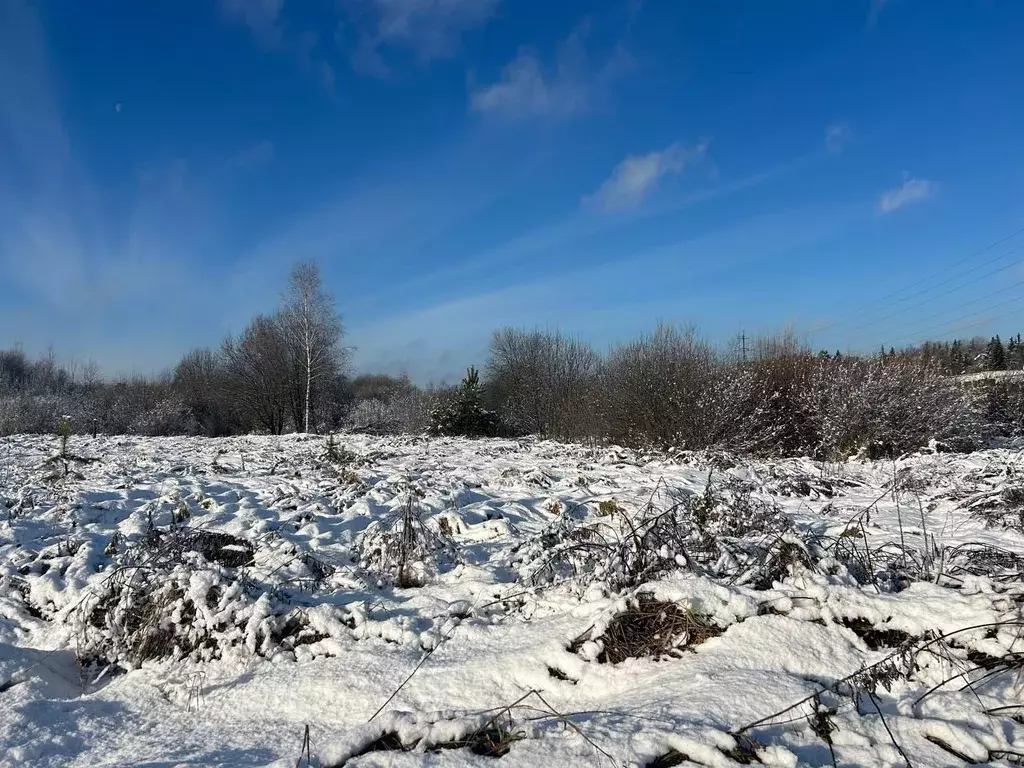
312, 328
543, 382
199, 380
258, 373
654, 389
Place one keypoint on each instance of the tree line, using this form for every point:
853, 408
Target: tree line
973, 355
289, 371
284, 371
775, 396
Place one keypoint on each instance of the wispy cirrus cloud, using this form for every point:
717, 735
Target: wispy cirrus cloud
262, 17
639, 175
527, 88
431, 29
71, 267
837, 135
265, 21
912, 190
573, 297
254, 155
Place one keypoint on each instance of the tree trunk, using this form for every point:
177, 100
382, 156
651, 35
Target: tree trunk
309, 382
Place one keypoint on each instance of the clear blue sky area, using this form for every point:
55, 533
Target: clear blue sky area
458, 165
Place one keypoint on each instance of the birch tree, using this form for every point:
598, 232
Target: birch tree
314, 331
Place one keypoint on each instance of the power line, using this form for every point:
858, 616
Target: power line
966, 303
954, 289
964, 260
931, 277
921, 335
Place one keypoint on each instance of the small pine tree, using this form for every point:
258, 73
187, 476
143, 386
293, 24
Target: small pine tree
1013, 352
462, 413
64, 433
957, 361
995, 356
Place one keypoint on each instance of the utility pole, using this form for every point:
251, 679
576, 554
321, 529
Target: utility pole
743, 345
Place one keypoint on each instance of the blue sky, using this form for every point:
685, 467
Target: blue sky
459, 165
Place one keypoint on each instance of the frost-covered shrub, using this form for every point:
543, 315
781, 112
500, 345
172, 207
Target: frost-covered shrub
375, 416
412, 409
32, 413
757, 408
725, 532
654, 390
406, 411
886, 407
170, 416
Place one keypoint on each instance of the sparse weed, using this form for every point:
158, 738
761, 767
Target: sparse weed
402, 550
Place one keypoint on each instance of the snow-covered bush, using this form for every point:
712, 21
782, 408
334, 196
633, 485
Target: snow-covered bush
401, 550
406, 411
757, 408
886, 406
725, 531
169, 416
1002, 405
180, 593
412, 409
375, 416
651, 390
32, 413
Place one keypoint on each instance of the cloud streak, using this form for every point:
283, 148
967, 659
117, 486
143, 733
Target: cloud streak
253, 156
262, 17
576, 299
92, 278
527, 89
639, 175
877, 6
912, 190
431, 29
836, 137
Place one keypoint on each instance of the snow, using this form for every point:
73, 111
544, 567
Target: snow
293, 618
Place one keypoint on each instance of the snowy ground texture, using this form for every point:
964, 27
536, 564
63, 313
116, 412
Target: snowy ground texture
443, 602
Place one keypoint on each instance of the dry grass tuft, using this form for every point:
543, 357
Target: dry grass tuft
654, 628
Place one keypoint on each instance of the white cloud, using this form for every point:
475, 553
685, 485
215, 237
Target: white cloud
431, 29
911, 191
265, 22
525, 89
636, 176
262, 17
252, 156
836, 137
575, 297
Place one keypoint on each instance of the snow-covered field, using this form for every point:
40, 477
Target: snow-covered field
412, 601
